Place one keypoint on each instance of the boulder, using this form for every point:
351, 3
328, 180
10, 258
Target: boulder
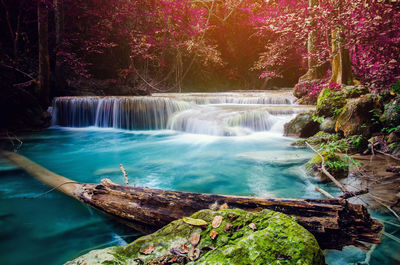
354, 91
302, 125
329, 103
328, 125
229, 236
357, 117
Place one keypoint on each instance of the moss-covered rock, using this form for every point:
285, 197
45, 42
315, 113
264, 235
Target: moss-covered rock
317, 139
333, 164
358, 116
354, 91
242, 237
330, 103
328, 125
302, 125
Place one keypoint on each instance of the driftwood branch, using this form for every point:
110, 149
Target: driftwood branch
125, 174
351, 194
323, 192
335, 223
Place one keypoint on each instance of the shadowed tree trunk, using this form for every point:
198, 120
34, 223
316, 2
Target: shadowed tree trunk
43, 88
314, 71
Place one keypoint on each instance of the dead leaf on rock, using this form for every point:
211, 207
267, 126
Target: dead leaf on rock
223, 206
148, 250
195, 239
228, 227
253, 226
232, 217
213, 234
217, 221
184, 249
194, 254
195, 222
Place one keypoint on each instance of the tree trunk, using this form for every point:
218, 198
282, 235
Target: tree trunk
342, 73
43, 89
314, 71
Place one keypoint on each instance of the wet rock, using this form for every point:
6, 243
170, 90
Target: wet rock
357, 116
277, 237
302, 125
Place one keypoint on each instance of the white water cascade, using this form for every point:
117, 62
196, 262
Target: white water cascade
223, 114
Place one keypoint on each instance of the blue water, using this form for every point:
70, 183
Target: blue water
54, 228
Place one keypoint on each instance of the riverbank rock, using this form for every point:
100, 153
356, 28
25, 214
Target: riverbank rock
357, 117
302, 125
230, 236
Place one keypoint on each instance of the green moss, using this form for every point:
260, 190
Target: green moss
317, 139
277, 235
333, 163
330, 102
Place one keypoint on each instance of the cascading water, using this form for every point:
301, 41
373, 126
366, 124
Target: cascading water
222, 114
115, 112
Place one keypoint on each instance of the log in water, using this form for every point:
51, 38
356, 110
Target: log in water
335, 223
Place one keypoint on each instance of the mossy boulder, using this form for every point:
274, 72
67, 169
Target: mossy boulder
354, 91
242, 237
333, 164
328, 125
359, 116
317, 139
302, 125
330, 103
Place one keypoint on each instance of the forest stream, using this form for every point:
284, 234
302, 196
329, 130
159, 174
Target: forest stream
226, 143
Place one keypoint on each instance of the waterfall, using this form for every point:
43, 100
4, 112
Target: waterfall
223, 114
142, 113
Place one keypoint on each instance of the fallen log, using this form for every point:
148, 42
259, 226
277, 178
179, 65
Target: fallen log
334, 222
